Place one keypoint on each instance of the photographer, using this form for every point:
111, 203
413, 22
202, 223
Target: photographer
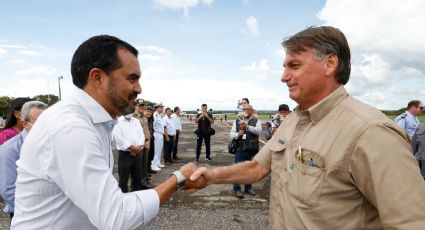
247, 132
277, 119
204, 119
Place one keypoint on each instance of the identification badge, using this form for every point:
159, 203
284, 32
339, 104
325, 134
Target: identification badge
244, 136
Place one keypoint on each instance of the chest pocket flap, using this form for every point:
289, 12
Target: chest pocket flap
306, 177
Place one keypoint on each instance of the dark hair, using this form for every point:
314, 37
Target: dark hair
176, 108
204, 105
97, 52
323, 40
245, 99
15, 104
413, 103
167, 109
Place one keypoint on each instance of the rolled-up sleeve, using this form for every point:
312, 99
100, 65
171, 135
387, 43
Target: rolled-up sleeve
233, 132
80, 169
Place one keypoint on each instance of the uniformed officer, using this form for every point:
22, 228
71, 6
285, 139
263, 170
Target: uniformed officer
408, 120
158, 127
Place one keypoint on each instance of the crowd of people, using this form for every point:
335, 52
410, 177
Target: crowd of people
334, 162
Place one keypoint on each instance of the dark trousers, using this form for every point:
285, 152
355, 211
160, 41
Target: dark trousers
241, 157
10, 220
175, 144
145, 165
200, 137
129, 165
168, 148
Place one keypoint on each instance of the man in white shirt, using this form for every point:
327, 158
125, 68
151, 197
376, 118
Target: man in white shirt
158, 134
65, 169
245, 132
178, 124
169, 134
129, 137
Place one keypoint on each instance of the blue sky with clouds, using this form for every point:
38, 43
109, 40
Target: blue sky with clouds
214, 51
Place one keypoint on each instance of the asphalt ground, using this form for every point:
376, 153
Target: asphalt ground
214, 207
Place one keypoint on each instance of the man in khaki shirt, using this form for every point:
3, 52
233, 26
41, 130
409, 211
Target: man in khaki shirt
335, 163
139, 114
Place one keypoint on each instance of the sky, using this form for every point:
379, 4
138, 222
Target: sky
215, 51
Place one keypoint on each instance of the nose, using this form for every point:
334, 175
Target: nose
138, 88
285, 76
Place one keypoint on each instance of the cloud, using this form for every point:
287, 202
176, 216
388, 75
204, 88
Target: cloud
180, 4
154, 72
3, 52
174, 93
207, 2
387, 48
150, 57
29, 53
260, 71
251, 27
153, 53
280, 53
36, 70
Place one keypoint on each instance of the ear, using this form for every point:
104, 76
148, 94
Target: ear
97, 77
17, 114
331, 64
23, 122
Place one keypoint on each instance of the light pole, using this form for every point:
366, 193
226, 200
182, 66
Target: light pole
59, 83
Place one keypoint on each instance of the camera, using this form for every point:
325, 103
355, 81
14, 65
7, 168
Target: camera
276, 120
199, 111
239, 106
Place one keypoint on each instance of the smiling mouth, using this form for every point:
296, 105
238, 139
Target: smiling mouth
290, 87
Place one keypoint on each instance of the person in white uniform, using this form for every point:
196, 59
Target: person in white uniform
158, 134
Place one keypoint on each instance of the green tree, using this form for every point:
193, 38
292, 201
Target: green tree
49, 99
4, 105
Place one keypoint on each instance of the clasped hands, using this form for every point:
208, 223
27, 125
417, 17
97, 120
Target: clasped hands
196, 178
135, 150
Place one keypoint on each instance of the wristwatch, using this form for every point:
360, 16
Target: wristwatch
180, 179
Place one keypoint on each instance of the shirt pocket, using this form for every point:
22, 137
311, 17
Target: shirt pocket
305, 177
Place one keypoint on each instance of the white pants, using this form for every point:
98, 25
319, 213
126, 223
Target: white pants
159, 143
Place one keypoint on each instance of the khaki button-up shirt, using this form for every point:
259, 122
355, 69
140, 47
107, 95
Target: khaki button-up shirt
342, 164
144, 122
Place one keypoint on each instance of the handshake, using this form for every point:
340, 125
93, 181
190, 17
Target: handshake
196, 178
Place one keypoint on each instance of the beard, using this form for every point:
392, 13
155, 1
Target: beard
124, 107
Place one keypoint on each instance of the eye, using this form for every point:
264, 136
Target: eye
133, 79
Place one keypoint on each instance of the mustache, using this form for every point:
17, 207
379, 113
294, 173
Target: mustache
132, 96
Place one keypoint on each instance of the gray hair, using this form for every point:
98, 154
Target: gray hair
26, 108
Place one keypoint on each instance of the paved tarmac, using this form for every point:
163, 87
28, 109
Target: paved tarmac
214, 207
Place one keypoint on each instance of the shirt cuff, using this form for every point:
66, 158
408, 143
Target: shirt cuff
150, 202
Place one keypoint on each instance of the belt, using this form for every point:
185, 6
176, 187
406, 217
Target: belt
124, 151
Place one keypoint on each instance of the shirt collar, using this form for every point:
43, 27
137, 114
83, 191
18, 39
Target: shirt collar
96, 112
319, 110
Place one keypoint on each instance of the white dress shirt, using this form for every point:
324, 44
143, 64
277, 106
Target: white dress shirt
169, 123
158, 124
177, 121
127, 133
65, 176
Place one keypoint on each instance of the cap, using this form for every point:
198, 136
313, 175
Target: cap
140, 101
284, 107
159, 105
148, 107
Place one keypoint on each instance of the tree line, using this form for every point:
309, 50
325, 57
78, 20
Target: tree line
49, 99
